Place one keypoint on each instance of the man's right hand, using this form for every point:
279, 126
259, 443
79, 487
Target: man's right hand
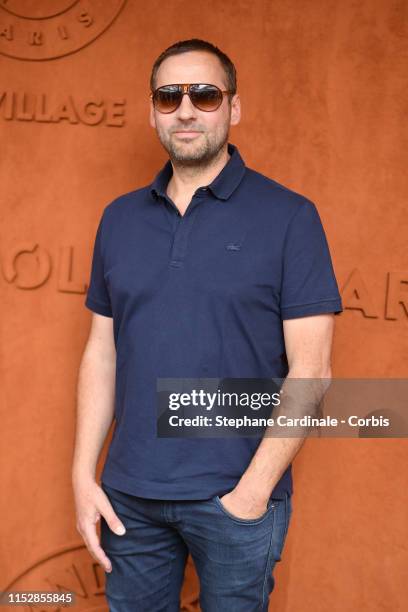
91, 502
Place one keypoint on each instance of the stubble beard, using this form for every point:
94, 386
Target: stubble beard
183, 154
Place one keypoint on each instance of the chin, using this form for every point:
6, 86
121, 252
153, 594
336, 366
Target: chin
188, 153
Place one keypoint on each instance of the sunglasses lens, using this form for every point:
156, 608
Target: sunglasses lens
167, 99
206, 97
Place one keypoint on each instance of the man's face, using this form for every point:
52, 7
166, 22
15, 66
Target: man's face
191, 136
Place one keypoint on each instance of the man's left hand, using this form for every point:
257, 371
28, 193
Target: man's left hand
243, 507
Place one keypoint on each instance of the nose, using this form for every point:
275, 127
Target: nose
186, 110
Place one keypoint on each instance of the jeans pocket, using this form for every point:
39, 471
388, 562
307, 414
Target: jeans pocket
283, 514
218, 503
288, 512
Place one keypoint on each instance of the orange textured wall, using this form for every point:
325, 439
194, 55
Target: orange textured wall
323, 88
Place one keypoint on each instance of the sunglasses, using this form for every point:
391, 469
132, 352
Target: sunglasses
205, 97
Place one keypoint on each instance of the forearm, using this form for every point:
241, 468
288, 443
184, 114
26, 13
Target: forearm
275, 454
95, 410
270, 461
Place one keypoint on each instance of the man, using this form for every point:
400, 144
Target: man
213, 270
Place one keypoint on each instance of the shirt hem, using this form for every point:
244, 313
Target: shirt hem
324, 306
149, 490
98, 307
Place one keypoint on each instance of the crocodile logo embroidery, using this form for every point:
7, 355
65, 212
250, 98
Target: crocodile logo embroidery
233, 246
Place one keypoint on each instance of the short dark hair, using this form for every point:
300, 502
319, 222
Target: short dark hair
196, 44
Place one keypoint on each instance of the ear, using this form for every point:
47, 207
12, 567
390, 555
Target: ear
152, 118
235, 110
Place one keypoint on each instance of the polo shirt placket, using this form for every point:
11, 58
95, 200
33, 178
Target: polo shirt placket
184, 224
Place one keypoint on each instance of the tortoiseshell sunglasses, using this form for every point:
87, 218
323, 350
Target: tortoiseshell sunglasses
205, 97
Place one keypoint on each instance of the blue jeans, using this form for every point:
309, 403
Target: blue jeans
234, 558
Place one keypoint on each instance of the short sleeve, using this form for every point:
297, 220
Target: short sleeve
309, 284
97, 297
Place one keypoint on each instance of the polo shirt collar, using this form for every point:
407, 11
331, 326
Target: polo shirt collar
222, 186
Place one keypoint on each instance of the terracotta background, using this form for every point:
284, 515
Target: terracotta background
323, 88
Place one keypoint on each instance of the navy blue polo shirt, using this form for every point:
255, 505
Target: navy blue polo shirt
201, 295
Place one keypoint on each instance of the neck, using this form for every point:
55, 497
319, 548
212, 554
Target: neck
186, 179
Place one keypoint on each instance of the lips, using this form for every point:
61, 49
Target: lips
187, 132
